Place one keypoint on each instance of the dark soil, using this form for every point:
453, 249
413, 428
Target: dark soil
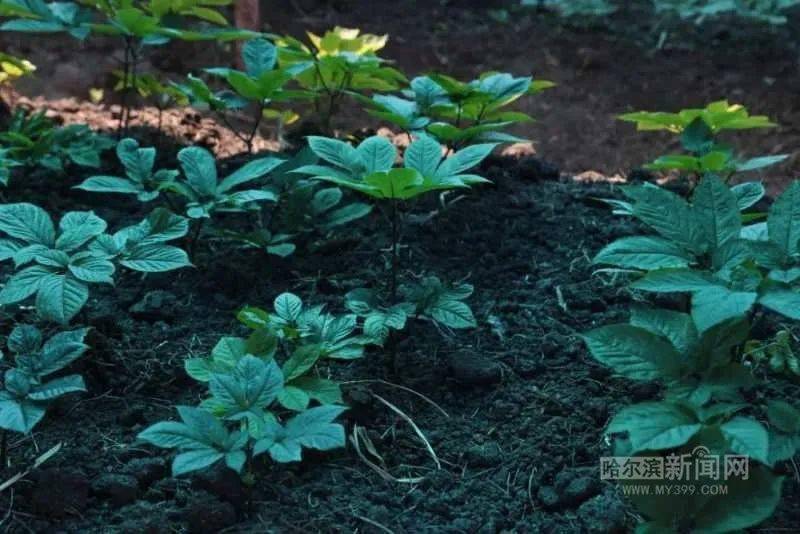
518, 446
514, 409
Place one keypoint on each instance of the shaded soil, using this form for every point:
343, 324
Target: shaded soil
514, 409
601, 72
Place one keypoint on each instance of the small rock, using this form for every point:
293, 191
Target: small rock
602, 514
147, 470
484, 455
475, 370
119, 489
549, 498
575, 486
221, 482
57, 492
156, 305
208, 514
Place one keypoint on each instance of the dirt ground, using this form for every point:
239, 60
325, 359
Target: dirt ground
601, 73
515, 408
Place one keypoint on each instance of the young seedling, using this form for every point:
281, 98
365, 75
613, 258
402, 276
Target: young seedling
207, 195
369, 169
140, 178
57, 266
26, 391
698, 130
12, 68
261, 83
32, 139
458, 114
298, 338
235, 425
340, 62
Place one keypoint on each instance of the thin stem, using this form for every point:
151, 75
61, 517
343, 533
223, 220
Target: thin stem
255, 127
195, 238
392, 341
125, 73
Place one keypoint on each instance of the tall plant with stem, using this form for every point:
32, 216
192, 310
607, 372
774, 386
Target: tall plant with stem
369, 168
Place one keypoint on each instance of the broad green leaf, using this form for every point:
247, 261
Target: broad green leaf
633, 352
676, 281
717, 211
377, 154
288, 307
715, 305
60, 297
655, 426
423, 155
336, 152
644, 252
78, 227
200, 169
27, 222
747, 437
464, 159
248, 172
669, 215
784, 220
23, 284
155, 258
678, 327
452, 313
259, 56
783, 301
748, 194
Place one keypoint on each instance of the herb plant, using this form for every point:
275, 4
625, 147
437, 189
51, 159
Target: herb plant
27, 390
206, 195
261, 83
33, 139
370, 169
298, 338
698, 129
340, 62
234, 423
458, 114
57, 266
12, 67
140, 179
703, 249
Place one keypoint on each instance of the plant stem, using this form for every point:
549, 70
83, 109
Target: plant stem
195, 238
254, 131
392, 341
125, 74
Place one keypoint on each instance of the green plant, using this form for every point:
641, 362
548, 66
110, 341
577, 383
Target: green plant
139, 179
698, 129
240, 427
57, 266
147, 86
456, 113
296, 337
340, 62
26, 390
575, 8
703, 249
138, 25
33, 139
261, 83
304, 206
7, 162
12, 68
207, 195
767, 11
370, 169
703, 375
